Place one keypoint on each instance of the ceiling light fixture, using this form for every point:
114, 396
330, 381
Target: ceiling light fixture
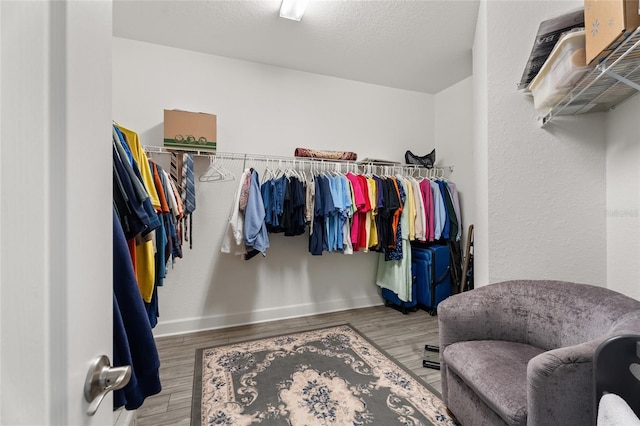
293, 9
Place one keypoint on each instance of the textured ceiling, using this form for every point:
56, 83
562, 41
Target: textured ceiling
415, 45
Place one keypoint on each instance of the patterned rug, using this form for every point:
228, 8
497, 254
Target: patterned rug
330, 376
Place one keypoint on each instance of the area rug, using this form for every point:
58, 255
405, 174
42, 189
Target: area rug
330, 376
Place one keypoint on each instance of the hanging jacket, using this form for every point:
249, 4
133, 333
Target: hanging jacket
255, 229
133, 342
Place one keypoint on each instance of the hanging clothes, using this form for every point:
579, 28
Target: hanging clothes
334, 210
147, 209
140, 157
128, 205
133, 342
362, 206
173, 219
317, 236
284, 200
456, 204
420, 220
395, 274
255, 229
293, 214
162, 241
309, 204
372, 241
395, 252
246, 233
145, 272
410, 205
345, 213
144, 248
188, 193
233, 240
328, 209
429, 211
332, 220
389, 213
439, 211
447, 219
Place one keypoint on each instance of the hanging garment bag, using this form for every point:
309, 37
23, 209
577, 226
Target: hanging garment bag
431, 267
391, 299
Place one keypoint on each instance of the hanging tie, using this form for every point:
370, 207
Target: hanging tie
188, 184
188, 193
174, 169
175, 174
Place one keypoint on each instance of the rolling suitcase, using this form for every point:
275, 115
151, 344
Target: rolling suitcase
391, 299
431, 266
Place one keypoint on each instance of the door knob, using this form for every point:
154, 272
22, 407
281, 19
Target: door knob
102, 379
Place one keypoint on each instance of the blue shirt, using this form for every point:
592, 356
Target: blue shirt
316, 240
255, 230
438, 209
333, 219
133, 342
443, 191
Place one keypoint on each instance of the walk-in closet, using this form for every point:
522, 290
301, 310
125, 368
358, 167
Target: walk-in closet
373, 79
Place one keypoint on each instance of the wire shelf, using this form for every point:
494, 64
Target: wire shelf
293, 162
610, 83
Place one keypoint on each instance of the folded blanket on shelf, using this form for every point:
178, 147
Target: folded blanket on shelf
328, 155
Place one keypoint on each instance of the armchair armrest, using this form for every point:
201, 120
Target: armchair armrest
559, 385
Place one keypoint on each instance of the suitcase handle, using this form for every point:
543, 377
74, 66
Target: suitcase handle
444, 276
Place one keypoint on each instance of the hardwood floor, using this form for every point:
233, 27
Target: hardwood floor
401, 336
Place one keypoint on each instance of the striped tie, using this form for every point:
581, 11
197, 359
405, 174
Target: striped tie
174, 169
175, 174
188, 184
188, 194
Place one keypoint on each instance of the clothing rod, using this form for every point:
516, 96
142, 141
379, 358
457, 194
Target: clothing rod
299, 160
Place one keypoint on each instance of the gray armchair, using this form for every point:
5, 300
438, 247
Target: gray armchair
520, 352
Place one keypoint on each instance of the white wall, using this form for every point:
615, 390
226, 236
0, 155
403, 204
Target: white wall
544, 212
623, 198
454, 142
481, 148
264, 110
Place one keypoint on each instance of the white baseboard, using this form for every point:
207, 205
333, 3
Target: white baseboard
122, 417
189, 325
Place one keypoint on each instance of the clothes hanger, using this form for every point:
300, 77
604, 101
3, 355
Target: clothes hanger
216, 172
291, 171
279, 171
294, 171
268, 171
302, 172
211, 174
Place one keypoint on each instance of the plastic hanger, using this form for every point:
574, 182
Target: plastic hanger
216, 172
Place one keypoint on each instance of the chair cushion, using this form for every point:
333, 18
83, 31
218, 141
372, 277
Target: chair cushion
497, 371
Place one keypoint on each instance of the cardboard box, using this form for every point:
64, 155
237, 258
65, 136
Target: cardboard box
607, 23
190, 130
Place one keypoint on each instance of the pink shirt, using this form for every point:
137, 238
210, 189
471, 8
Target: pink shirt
427, 198
358, 196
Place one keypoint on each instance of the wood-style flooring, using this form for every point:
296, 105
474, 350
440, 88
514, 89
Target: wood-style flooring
401, 336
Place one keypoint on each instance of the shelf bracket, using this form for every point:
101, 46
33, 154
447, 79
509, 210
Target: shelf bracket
620, 78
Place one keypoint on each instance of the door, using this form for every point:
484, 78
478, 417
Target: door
55, 208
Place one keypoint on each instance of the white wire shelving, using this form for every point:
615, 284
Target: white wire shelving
611, 82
